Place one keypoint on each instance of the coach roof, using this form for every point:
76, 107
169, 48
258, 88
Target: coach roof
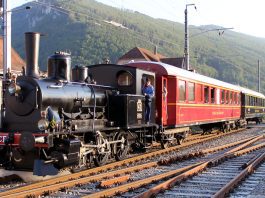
165, 69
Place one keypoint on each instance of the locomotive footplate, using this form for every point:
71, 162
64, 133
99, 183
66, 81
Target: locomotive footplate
16, 139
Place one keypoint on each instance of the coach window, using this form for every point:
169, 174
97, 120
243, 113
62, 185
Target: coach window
226, 97
191, 91
234, 98
222, 96
182, 90
199, 93
206, 94
212, 95
124, 78
248, 100
231, 98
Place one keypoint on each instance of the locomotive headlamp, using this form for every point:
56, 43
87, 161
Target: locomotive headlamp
13, 89
43, 124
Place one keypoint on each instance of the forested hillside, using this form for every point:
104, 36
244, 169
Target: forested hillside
84, 28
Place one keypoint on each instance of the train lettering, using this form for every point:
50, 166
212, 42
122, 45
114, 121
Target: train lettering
139, 105
218, 113
2, 138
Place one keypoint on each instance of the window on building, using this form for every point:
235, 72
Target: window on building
206, 94
191, 93
182, 90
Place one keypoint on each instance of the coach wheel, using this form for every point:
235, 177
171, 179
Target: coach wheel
180, 140
165, 140
121, 148
227, 128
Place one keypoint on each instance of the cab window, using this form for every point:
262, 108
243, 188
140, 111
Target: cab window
124, 78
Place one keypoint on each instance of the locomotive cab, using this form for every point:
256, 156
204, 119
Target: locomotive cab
129, 81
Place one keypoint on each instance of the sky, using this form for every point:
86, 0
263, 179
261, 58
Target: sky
245, 16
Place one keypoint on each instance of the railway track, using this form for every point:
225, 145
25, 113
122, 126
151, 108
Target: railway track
251, 186
77, 180
191, 140
220, 175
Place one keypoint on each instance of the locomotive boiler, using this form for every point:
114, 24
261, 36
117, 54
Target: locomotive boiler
58, 121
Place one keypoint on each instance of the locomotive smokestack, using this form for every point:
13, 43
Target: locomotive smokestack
32, 42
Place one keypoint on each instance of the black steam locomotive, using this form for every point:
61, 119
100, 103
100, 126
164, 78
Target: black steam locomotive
58, 121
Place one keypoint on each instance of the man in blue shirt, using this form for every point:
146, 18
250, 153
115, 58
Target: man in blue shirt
149, 92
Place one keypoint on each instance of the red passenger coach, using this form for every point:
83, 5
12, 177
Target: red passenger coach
184, 98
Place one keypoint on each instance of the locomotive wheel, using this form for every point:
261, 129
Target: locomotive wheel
101, 159
121, 148
102, 154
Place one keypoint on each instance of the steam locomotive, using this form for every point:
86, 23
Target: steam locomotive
66, 120
55, 122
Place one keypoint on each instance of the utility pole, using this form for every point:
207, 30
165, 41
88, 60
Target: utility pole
6, 37
186, 45
258, 76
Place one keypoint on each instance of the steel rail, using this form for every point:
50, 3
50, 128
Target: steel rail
203, 152
115, 180
242, 175
42, 187
173, 181
139, 183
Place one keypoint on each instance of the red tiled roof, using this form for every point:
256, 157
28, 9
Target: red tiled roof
138, 52
142, 54
17, 61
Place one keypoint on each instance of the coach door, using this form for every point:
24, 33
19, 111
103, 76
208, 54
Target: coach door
164, 100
